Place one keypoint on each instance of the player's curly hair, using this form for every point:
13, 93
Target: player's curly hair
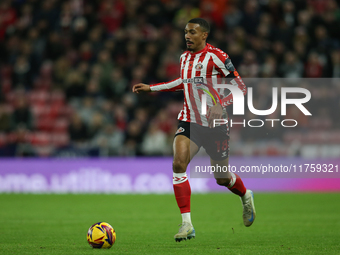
202, 22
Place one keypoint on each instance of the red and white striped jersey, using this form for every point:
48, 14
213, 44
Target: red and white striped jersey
206, 66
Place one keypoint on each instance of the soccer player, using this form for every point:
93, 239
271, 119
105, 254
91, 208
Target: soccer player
202, 60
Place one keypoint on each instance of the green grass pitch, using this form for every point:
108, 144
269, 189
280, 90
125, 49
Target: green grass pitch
145, 224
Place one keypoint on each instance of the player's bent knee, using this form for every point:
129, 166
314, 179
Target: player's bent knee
179, 166
223, 181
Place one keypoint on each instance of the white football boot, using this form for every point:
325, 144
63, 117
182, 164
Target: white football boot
186, 231
249, 212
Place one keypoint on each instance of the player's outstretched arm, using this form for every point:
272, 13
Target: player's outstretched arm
141, 87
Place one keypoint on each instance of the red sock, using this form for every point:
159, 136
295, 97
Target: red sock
236, 185
182, 191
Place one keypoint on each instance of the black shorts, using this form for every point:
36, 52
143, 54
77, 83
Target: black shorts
215, 141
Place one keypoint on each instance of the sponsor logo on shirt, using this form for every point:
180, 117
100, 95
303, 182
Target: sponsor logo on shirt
194, 80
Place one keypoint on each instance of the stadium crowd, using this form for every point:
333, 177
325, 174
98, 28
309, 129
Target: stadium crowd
67, 68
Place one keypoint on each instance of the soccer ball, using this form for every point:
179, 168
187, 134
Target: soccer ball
101, 235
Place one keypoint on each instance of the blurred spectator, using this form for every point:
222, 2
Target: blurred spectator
87, 110
109, 140
154, 142
249, 67
37, 42
120, 117
54, 47
111, 14
134, 131
95, 39
129, 101
85, 53
300, 50
75, 84
8, 17
154, 14
106, 109
214, 10
331, 20
251, 16
49, 14
336, 64
129, 148
92, 52
142, 116
292, 67
322, 40
269, 67
278, 49
5, 118
289, 13
186, 13
79, 31
164, 121
313, 67
93, 90
118, 84
170, 66
233, 17
96, 125
77, 129
60, 71
22, 75
22, 115
66, 16
20, 143
26, 17
235, 53
239, 37
106, 66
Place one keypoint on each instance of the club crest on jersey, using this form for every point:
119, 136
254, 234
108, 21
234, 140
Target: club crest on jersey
180, 130
199, 66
